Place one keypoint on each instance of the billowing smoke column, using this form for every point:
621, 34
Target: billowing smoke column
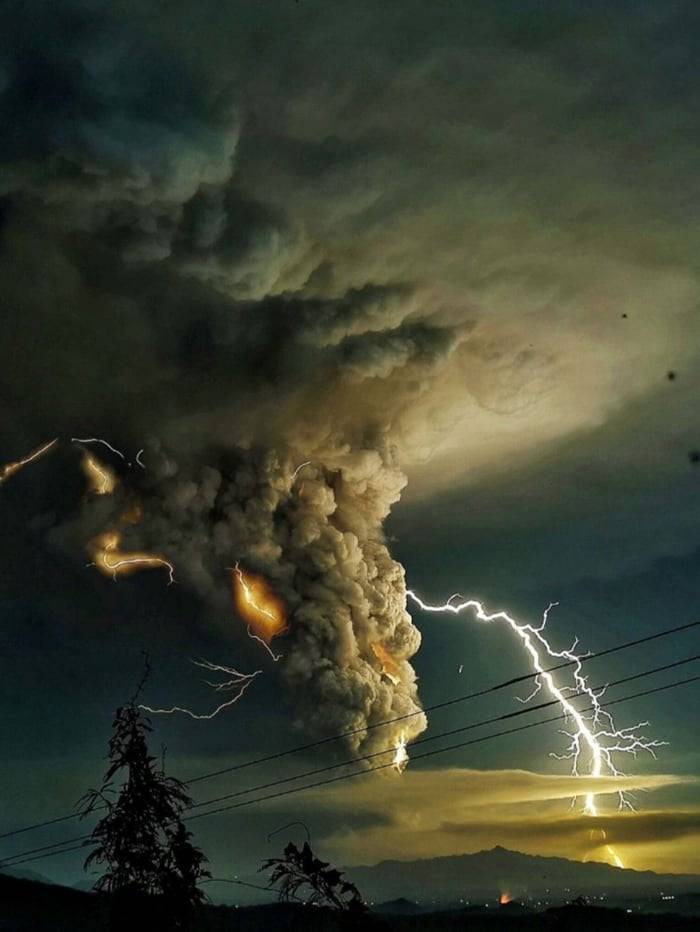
318, 543
173, 301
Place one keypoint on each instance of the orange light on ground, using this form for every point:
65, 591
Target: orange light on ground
260, 607
390, 668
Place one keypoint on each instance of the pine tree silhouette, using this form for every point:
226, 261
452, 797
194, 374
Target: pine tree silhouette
151, 866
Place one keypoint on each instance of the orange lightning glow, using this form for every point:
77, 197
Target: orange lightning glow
111, 561
505, 898
9, 469
101, 479
133, 514
390, 668
260, 607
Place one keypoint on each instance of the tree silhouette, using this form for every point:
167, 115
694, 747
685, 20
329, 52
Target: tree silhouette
301, 875
151, 866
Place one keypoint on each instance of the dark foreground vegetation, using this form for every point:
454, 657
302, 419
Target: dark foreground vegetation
28, 906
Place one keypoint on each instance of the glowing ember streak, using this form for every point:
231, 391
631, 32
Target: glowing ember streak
401, 754
9, 469
260, 607
505, 898
390, 668
101, 479
239, 682
595, 731
112, 561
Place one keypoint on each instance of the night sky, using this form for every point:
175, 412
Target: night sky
447, 254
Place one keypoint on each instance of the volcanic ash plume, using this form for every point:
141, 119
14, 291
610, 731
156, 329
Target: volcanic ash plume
318, 543
186, 301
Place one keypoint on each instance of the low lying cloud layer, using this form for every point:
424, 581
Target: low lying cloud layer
431, 813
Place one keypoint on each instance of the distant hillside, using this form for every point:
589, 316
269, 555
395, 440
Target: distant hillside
32, 906
486, 874
26, 875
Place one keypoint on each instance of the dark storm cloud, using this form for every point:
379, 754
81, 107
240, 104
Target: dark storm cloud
93, 113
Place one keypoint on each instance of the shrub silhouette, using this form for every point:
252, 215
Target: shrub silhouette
300, 875
151, 866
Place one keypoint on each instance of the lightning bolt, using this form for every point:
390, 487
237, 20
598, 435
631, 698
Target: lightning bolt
255, 637
9, 469
238, 682
106, 546
113, 449
98, 440
101, 479
400, 760
594, 731
298, 470
249, 597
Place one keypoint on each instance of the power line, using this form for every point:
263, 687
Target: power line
357, 773
451, 747
440, 705
47, 850
514, 681
443, 734
41, 857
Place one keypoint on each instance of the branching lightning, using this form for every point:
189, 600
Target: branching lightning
261, 608
238, 683
9, 469
595, 732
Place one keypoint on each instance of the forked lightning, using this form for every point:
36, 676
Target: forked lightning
595, 731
